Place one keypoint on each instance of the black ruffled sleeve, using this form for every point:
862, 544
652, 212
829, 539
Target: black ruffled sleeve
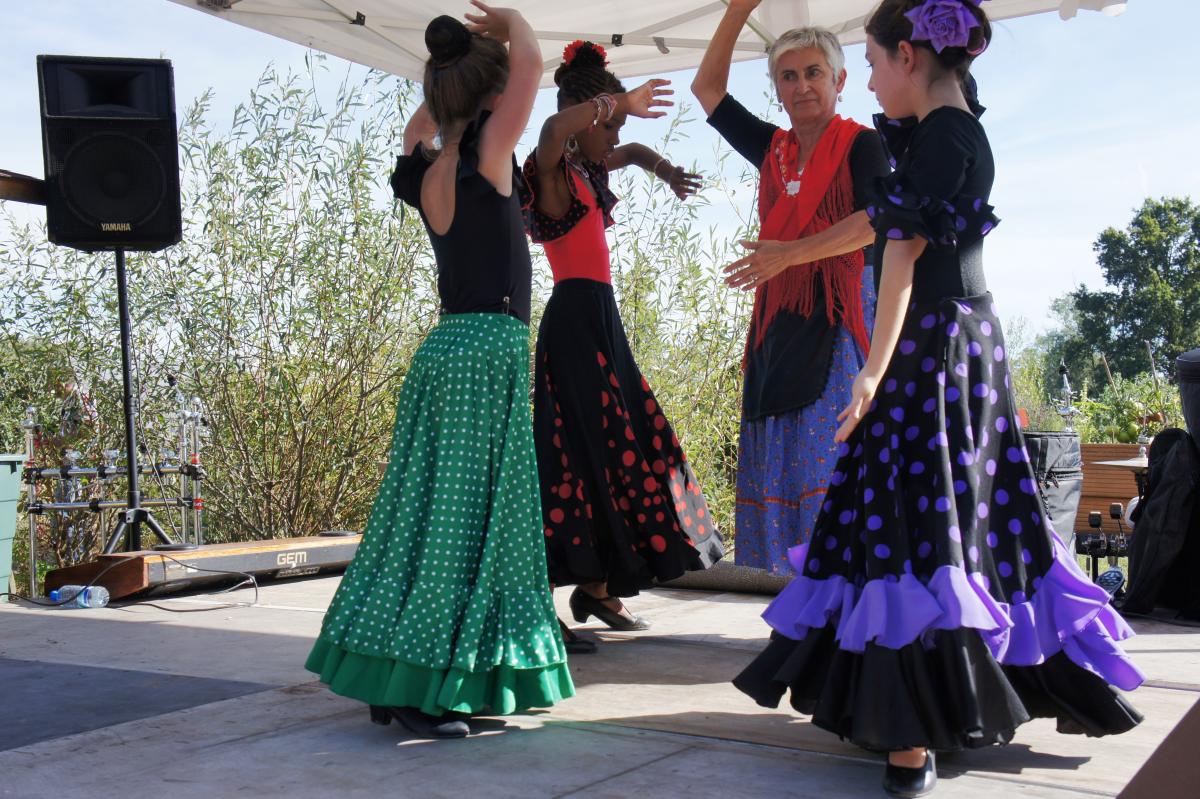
406, 178
410, 169
924, 198
542, 227
868, 162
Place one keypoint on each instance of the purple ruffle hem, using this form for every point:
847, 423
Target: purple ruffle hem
1066, 613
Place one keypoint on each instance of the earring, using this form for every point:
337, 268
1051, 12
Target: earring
839, 98
572, 145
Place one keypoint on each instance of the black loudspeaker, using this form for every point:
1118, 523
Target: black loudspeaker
111, 153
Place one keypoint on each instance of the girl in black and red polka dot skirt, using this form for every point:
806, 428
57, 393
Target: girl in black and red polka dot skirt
621, 506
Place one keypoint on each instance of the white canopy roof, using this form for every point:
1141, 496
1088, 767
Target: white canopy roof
641, 36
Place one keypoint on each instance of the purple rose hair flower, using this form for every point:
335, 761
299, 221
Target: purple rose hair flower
943, 23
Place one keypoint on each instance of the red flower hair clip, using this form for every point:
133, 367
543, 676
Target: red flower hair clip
572, 50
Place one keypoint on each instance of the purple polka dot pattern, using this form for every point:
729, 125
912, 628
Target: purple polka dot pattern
936, 474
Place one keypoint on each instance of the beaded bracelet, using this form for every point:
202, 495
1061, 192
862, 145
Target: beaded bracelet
656, 165
610, 103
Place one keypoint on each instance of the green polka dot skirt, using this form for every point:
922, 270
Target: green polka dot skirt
446, 605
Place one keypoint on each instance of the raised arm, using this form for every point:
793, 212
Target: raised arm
553, 194
712, 77
511, 112
644, 101
420, 129
682, 182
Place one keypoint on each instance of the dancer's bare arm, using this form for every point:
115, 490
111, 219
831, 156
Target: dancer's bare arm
712, 77
895, 288
682, 182
553, 194
420, 129
511, 113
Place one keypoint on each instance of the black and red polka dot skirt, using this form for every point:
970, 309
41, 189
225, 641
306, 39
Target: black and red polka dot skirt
619, 500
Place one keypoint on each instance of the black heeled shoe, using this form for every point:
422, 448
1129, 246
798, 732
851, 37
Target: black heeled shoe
422, 725
573, 643
584, 605
908, 783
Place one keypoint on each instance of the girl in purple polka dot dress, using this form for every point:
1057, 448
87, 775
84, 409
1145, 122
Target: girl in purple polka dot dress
934, 607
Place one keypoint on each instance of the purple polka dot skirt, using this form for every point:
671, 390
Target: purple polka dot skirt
934, 604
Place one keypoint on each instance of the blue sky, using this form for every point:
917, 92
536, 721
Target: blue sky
1086, 117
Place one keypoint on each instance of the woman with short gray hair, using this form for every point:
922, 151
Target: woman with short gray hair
812, 307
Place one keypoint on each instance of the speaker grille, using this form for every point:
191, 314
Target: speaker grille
113, 178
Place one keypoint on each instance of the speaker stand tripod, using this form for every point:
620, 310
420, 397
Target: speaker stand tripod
129, 524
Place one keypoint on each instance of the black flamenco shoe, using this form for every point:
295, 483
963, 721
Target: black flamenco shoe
584, 605
422, 725
573, 643
911, 782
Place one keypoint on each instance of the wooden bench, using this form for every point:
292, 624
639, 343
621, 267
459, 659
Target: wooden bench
1104, 485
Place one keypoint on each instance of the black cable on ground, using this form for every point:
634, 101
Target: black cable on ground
248, 581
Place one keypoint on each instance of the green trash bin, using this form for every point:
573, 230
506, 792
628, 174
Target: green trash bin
10, 492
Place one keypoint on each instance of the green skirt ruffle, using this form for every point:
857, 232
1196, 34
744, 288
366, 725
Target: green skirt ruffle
379, 681
446, 605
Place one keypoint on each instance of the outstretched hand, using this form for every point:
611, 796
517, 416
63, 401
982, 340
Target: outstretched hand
767, 258
683, 183
493, 22
642, 101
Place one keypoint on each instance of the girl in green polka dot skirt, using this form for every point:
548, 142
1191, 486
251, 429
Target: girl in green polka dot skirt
446, 610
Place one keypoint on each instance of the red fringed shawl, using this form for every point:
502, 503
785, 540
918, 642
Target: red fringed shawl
825, 197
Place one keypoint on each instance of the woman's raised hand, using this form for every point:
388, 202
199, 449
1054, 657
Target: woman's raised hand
642, 101
493, 22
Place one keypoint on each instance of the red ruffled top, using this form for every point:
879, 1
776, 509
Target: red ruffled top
575, 243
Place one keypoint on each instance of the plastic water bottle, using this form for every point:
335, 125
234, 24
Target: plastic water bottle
95, 596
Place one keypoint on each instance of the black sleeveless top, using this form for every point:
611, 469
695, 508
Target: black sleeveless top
483, 259
939, 191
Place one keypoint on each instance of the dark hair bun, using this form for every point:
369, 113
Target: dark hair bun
447, 40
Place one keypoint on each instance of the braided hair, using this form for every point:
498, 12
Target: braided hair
583, 74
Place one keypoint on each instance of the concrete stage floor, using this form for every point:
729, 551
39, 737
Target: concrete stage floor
141, 702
